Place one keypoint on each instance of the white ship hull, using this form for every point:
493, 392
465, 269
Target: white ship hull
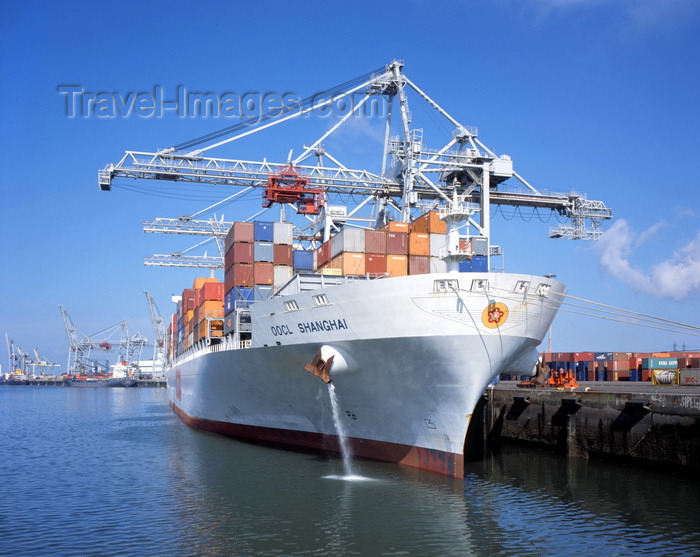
411, 358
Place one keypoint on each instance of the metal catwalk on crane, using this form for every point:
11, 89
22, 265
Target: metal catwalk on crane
463, 172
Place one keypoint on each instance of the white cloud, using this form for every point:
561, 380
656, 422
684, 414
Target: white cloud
677, 277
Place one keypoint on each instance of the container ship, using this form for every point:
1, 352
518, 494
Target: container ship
402, 310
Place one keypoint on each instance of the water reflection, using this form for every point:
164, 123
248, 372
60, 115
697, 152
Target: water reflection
581, 507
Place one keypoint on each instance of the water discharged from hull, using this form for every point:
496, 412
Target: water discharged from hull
345, 450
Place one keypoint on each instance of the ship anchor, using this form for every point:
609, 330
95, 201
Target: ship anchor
320, 368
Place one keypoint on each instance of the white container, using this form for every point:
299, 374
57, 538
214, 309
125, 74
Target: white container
348, 239
282, 233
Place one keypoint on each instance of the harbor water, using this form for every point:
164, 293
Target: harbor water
112, 471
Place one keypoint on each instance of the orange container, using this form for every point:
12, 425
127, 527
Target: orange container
349, 263
211, 308
429, 223
199, 282
396, 227
418, 243
397, 265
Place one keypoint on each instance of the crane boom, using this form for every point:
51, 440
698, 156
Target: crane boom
413, 175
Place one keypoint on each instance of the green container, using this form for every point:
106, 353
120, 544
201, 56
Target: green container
659, 363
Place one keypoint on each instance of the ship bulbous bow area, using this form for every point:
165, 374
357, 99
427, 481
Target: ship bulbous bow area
327, 358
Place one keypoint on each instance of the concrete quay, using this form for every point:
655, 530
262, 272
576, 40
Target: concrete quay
633, 422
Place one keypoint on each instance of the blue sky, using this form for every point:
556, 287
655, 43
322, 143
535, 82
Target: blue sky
596, 96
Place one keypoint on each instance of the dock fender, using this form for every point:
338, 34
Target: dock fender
524, 364
342, 361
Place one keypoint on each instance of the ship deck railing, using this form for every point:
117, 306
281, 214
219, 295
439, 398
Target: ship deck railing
205, 346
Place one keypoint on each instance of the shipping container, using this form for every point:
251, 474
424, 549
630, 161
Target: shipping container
239, 232
209, 309
282, 233
261, 292
283, 254
477, 264
479, 245
375, 241
396, 227
438, 245
396, 243
429, 223
619, 365
375, 264
603, 356
210, 291
438, 265
659, 363
189, 299
199, 282
303, 259
396, 265
323, 253
282, 274
418, 244
465, 247
239, 253
690, 376
418, 264
263, 251
348, 240
349, 263
263, 231
240, 274
263, 273
582, 356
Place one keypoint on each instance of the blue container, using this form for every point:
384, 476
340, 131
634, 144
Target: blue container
303, 259
234, 296
600, 375
261, 292
634, 375
477, 264
480, 264
263, 231
264, 251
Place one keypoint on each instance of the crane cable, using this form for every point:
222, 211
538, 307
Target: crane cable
306, 103
619, 315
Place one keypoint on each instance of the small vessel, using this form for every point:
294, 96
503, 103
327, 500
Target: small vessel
93, 381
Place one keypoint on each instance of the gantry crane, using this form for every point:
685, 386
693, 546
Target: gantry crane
464, 177
128, 342
159, 330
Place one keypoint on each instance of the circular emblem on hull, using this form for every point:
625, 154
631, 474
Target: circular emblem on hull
494, 315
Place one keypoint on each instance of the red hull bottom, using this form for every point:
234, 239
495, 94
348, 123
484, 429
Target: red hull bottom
440, 462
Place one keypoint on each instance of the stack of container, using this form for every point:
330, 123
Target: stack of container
621, 366
397, 249
199, 314
260, 258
